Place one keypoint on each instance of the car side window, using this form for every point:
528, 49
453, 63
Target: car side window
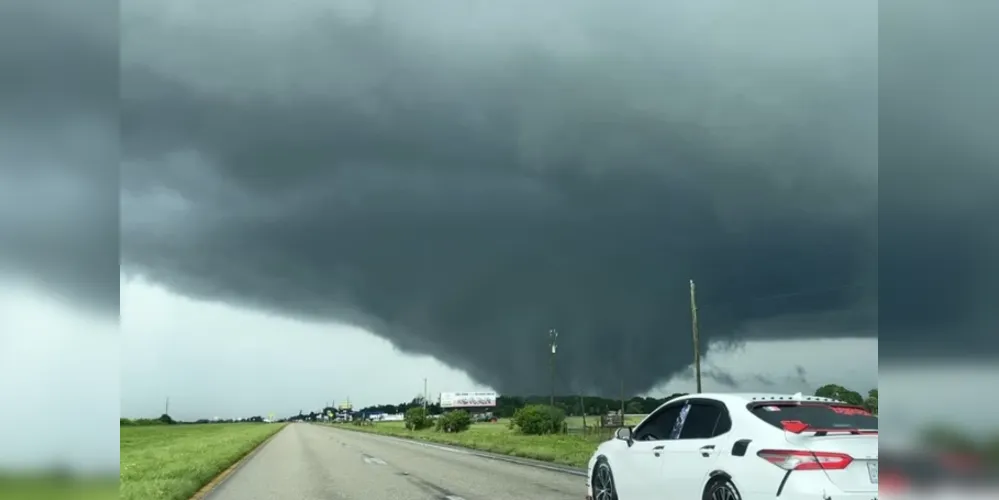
724, 424
701, 421
658, 427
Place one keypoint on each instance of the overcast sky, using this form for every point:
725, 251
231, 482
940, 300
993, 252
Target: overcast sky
321, 200
459, 192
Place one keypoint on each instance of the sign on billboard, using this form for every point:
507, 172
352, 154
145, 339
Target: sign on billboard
467, 399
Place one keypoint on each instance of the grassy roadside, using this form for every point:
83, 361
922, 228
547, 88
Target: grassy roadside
172, 462
569, 449
52, 487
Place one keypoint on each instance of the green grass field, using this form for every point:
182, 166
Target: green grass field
172, 462
44, 487
573, 449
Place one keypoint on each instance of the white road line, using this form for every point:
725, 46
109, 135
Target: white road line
374, 461
488, 456
453, 497
443, 448
429, 445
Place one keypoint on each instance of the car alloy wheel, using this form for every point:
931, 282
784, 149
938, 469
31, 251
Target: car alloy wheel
603, 483
724, 490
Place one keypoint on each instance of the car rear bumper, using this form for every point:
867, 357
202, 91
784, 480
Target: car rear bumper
814, 496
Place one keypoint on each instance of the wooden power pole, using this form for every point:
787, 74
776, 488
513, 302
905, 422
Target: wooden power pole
553, 337
696, 334
622, 400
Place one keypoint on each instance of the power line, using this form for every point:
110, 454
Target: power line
760, 299
811, 291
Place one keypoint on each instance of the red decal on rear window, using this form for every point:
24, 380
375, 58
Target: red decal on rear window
795, 426
849, 410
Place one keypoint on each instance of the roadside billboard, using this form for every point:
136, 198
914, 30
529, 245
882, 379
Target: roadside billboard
467, 399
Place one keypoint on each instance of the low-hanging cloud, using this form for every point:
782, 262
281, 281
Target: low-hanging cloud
460, 178
58, 151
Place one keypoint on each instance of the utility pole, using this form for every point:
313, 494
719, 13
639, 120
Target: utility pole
424, 395
697, 336
553, 337
166, 407
622, 401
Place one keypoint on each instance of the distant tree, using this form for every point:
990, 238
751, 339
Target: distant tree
416, 419
633, 407
454, 421
164, 418
841, 393
871, 402
948, 439
539, 419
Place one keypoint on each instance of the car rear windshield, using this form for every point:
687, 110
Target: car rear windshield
817, 415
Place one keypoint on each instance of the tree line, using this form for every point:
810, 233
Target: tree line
165, 419
507, 407
576, 405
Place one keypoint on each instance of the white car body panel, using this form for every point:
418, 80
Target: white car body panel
682, 468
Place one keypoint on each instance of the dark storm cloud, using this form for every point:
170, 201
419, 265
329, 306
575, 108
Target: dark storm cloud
461, 178
58, 149
939, 184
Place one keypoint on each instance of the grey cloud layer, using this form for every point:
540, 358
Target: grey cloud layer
939, 178
460, 180
463, 180
58, 149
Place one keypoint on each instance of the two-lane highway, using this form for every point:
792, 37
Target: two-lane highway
314, 462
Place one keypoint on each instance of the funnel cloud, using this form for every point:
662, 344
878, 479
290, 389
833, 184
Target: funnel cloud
459, 178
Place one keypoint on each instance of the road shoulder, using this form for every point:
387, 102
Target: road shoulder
538, 464
208, 489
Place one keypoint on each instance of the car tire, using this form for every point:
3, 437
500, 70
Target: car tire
603, 486
721, 488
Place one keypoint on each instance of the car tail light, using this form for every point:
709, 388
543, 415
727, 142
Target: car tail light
806, 460
893, 483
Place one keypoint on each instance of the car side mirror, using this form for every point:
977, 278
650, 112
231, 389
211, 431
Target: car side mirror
624, 434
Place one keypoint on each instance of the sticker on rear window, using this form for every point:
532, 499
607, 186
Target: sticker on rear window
771, 408
850, 410
675, 434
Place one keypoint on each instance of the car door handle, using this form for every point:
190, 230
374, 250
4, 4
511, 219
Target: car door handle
706, 450
657, 450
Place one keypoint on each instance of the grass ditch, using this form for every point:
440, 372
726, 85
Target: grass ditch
173, 462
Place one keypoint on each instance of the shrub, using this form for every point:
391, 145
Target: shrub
416, 419
454, 421
536, 420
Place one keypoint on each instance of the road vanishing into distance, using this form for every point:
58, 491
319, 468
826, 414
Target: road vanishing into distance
316, 462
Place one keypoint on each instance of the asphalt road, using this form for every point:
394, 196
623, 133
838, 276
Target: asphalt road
314, 462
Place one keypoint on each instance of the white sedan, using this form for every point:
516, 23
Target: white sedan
741, 447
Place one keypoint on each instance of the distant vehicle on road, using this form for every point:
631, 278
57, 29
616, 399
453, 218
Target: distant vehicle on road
741, 447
